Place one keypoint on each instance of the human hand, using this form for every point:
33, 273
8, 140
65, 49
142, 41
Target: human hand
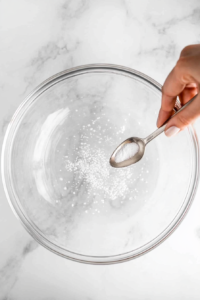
183, 81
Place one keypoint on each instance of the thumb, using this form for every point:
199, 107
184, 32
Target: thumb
186, 117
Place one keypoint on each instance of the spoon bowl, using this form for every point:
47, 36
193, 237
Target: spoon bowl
138, 156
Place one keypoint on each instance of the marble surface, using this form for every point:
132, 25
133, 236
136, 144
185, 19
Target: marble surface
40, 38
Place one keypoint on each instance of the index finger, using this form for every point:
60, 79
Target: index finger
171, 89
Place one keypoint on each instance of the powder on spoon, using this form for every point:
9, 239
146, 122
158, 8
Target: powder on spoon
126, 152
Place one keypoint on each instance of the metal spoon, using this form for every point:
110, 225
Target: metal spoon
142, 142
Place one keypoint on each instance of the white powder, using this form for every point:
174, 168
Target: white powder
91, 169
126, 152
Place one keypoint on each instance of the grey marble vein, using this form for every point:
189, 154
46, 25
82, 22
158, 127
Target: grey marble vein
73, 9
10, 271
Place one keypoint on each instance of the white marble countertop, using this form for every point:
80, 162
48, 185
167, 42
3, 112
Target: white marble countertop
41, 38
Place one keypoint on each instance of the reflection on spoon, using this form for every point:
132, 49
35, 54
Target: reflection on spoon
132, 149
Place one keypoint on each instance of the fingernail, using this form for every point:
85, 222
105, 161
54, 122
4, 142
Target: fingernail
157, 124
172, 131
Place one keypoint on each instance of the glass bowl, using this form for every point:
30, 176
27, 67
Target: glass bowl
56, 172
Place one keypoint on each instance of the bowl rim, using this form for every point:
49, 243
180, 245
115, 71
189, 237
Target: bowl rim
26, 222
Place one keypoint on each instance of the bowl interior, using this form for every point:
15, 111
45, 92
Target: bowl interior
63, 188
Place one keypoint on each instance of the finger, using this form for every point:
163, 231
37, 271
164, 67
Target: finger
171, 88
184, 118
165, 114
187, 94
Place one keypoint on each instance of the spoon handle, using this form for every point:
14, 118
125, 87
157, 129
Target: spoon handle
162, 128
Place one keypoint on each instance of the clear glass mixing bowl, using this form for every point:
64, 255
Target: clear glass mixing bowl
56, 172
